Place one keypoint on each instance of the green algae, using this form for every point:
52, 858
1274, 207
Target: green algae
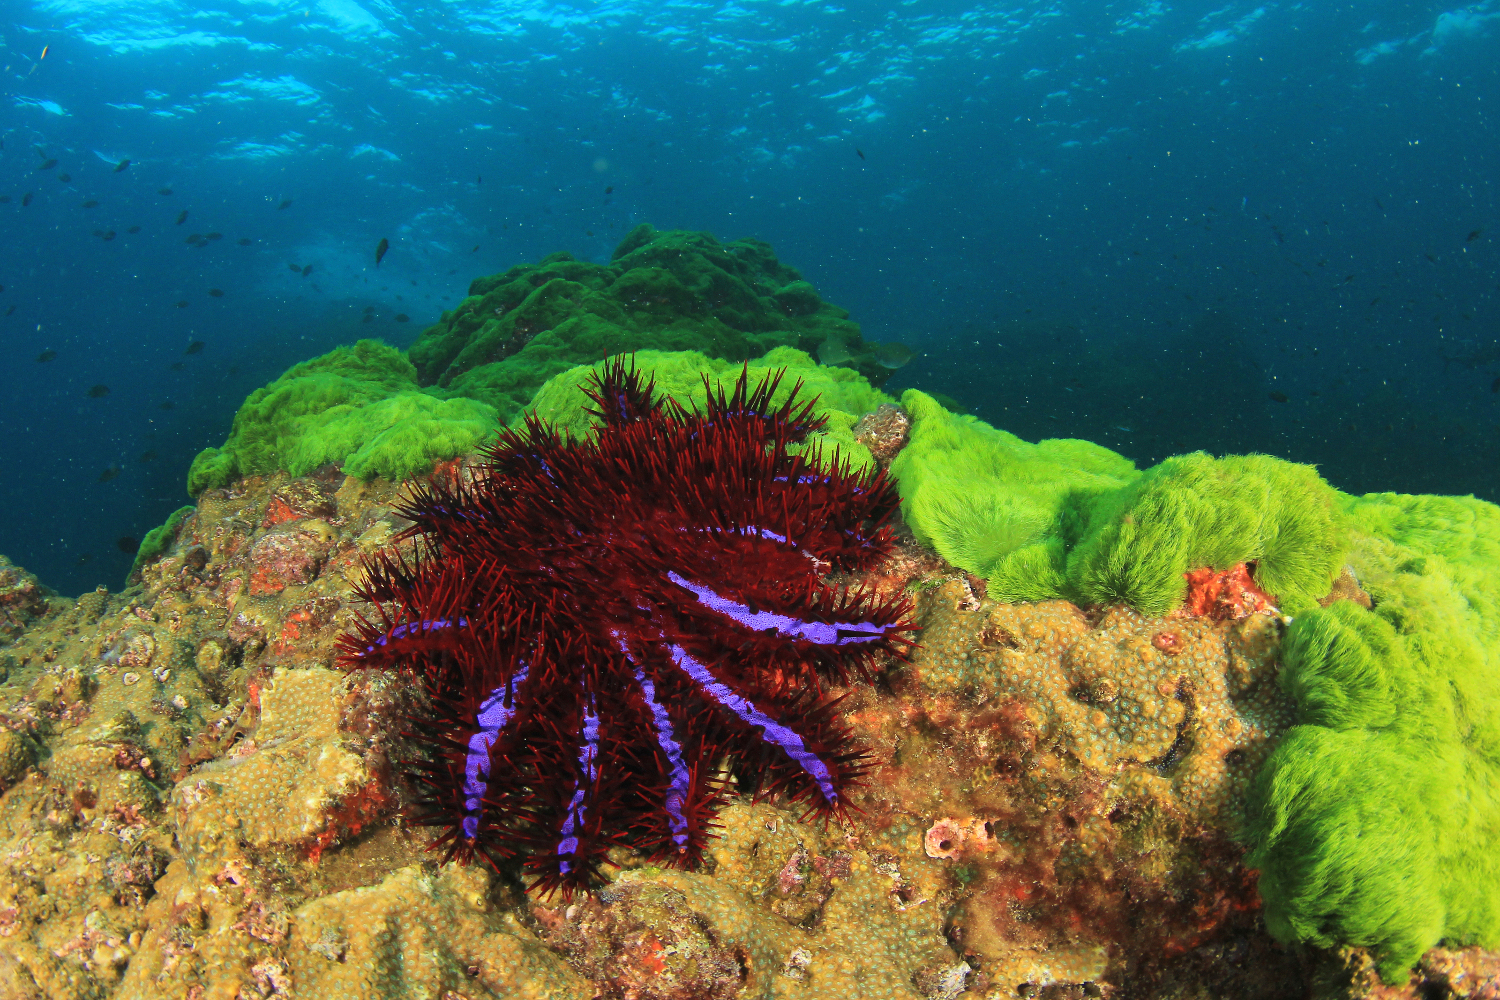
359, 407
842, 395
159, 540
995, 505
1069, 518
661, 291
373, 410
1376, 821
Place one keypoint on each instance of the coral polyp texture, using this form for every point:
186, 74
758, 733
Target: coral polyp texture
599, 621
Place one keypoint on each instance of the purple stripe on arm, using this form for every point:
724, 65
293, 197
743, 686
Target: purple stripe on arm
681, 780
588, 755
402, 631
823, 633
493, 715
775, 732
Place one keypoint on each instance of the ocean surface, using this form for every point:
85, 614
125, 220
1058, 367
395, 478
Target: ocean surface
1236, 226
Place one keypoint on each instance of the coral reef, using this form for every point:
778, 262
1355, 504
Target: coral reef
196, 804
1074, 769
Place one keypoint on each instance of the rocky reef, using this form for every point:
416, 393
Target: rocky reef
1208, 729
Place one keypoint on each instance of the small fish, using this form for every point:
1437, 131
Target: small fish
163, 191
4, 199
109, 473
1494, 386
98, 392
10, 310
402, 318
1430, 257
181, 217
196, 237
26, 199
1378, 204
46, 355
133, 230
610, 189
476, 248
65, 178
380, 249
307, 270
214, 236
182, 303
294, 268
91, 203
120, 167
47, 165
107, 235
285, 204
1278, 397
861, 153
892, 355
369, 309
245, 241
1473, 236
1348, 279
479, 179
834, 351
148, 456
168, 405
367, 318
177, 366
217, 293
128, 545
196, 347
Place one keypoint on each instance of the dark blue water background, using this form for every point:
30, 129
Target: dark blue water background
1160, 226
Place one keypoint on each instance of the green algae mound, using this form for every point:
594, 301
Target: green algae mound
1001, 508
662, 291
359, 407
1376, 821
842, 395
1068, 518
374, 410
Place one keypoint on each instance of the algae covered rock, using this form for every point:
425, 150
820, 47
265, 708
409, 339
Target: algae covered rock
372, 410
661, 291
840, 395
358, 407
1069, 519
1376, 821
